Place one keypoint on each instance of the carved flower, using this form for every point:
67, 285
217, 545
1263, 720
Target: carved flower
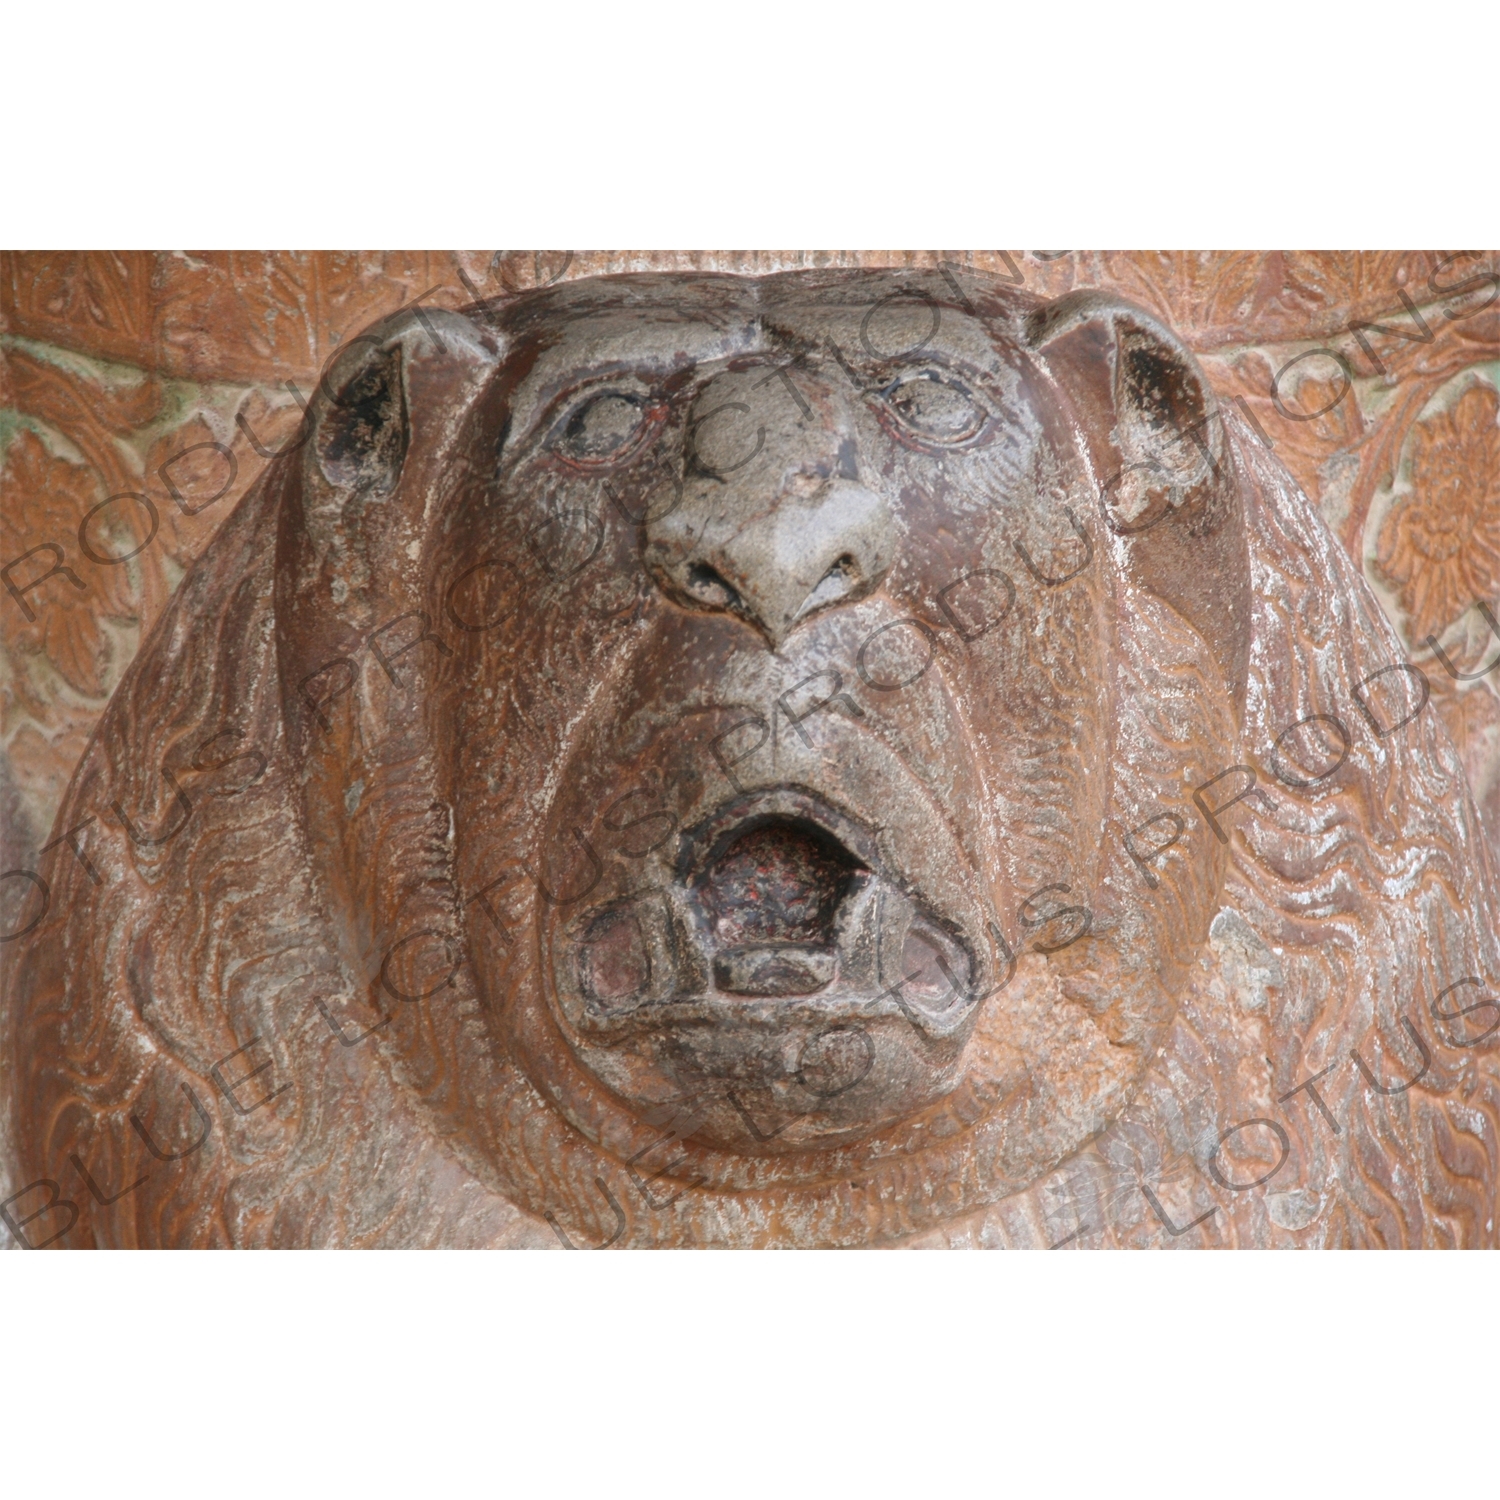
1441, 547
45, 499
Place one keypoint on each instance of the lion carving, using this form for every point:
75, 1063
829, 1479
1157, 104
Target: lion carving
833, 759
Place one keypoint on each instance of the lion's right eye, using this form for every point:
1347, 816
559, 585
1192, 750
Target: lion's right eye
601, 427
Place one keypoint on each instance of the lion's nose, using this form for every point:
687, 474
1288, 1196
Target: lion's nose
774, 522
815, 544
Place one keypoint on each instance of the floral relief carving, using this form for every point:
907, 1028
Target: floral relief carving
85, 435
215, 315
1471, 715
46, 497
104, 295
272, 314
1440, 546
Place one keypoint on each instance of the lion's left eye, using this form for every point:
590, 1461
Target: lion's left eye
935, 407
601, 427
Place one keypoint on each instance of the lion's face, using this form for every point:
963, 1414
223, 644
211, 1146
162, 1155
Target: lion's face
789, 681
795, 768
838, 710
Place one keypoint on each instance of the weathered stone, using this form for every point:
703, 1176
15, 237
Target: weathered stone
838, 758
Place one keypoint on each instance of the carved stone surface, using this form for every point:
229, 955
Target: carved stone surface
837, 758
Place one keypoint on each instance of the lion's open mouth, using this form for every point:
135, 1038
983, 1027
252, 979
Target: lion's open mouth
771, 896
780, 911
791, 899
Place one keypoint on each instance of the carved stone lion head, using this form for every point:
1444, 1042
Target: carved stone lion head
807, 761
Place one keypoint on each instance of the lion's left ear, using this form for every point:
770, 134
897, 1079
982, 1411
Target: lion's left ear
1166, 477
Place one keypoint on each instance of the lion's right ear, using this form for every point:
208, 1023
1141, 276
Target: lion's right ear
1162, 459
361, 429
381, 411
